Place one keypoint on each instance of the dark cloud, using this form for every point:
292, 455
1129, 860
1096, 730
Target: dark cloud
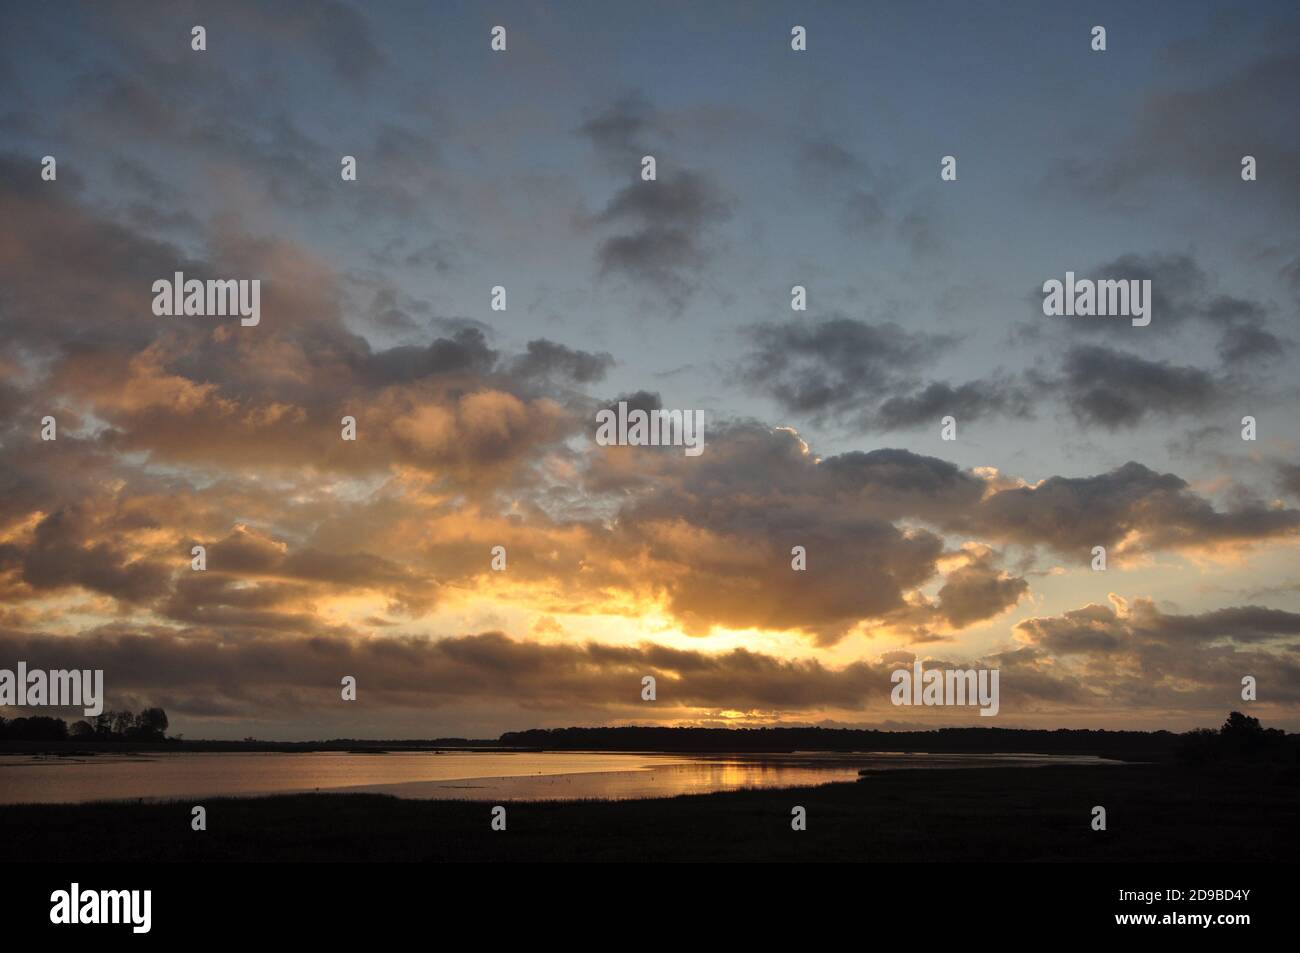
1132, 504
60, 557
978, 591
901, 484
1183, 294
546, 359
1202, 132
1110, 388
662, 227
1145, 656
1114, 389
465, 352
669, 219
832, 366
640, 400
974, 400
1245, 344
868, 375
1089, 630
1179, 286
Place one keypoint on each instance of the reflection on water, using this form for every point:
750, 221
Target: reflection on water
463, 775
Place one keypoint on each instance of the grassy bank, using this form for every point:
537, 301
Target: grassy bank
1155, 813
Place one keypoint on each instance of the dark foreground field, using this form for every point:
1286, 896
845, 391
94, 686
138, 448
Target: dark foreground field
1154, 813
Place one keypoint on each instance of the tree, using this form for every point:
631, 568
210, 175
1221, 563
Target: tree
152, 724
1241, 727
39, 728
123, 721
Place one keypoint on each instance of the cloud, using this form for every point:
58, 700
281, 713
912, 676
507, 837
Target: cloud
1095, 656
268, 396
546, 359
898, 484
1202, 132
978, 591
199, 679
713, 536
1245, 345
1144, 656
58, 557
1110, 388
260, 675
1182, 294
664, 244
973, 400
831, 366
1130, 509
662, 228
838, 368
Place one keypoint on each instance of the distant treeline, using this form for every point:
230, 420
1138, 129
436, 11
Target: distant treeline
1238, 733
1240, 737
148, 725
1061, 740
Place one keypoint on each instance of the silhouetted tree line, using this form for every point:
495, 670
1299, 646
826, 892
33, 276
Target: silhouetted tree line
949, 740
1241, 738
148, 725
1239, 735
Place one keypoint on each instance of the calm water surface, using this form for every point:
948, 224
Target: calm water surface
464, 775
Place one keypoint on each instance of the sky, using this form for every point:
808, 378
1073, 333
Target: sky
522, 168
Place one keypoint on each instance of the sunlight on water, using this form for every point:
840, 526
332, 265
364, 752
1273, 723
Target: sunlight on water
461, 775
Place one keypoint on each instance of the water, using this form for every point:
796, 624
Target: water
460, 775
